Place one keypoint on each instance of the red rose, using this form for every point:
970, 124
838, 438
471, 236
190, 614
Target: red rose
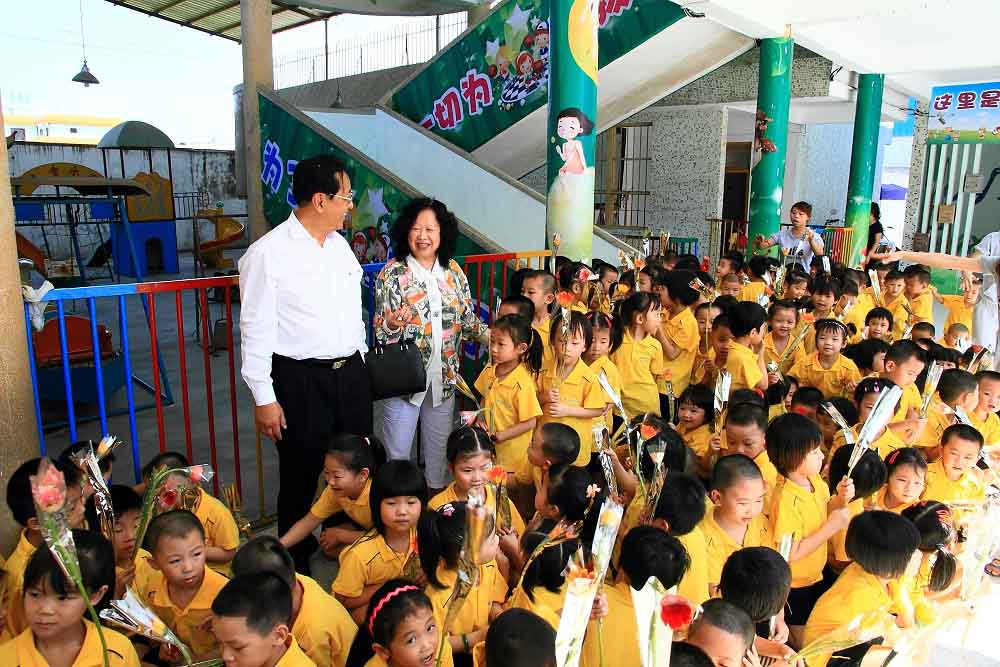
168, 498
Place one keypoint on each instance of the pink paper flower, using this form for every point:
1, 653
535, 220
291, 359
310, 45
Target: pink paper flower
676, 612
168, 498
196, 473
48, 488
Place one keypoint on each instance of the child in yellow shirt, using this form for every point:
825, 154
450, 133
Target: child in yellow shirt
696, 413
937, 535
731, 285
597, 358
904, 362
801, 506
984, 417
956, 389
736, 520
756, 268
22, 508
916, 281
441, 537
955, 336
400, 629
388, 550
543, 587
869, 475
137, 572
826, 368
222, 537
637, 353
878, 325
181, 593
646, 552
568, 391
321, 626
720, 339
508, 386
746, 424
347, 467
757, 580
954, 478
679, 511
678, 332
896, 303
921, 331
782, 319
906, 474
55, 611
724, 633
252, 618
826, 293
540, 287
745, 361
851, 309
553, 445
882, 545
960, 306
866, 394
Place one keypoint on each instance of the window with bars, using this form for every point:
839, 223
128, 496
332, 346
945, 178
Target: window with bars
621, 190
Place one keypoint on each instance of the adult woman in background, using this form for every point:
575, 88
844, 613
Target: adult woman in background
422, 295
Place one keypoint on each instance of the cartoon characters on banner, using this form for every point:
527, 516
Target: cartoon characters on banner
531, 64
370, 222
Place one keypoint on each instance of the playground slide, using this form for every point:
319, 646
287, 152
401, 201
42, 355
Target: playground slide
509, 214
29, 250
486, 92
228, 232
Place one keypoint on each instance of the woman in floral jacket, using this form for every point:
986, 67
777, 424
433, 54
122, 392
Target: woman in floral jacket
423, 295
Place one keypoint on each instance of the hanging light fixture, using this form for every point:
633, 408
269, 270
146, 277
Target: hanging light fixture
84, 76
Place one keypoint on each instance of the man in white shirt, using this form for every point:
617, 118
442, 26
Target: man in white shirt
984, 316
303, 336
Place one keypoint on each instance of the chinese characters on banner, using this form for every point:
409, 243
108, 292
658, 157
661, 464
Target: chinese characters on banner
965, 114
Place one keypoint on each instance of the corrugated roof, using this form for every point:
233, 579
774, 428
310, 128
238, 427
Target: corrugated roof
221, 17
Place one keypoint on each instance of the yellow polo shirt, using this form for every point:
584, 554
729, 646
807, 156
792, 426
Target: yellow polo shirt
800, 512
939, 417
144, 572
922, 306
220, 527
358, 509
855, 592
605, 365
989, 427
192, 624
968, 487
910, 399
752, 290
767, 471
16, 564
294, 656
698, 439
323, 629
621, 634
450, 495
772, 355
877, 502
899, 316
694, 584
640, 364
475, 613
719, 545
367, 562
21, 651
682, 329
958, 311
743, 366
546, 604
856, 316
838, 543
831, 381
579, 389
509, 401
544, 331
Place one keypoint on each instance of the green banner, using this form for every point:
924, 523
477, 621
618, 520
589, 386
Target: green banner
285, 140
498, 72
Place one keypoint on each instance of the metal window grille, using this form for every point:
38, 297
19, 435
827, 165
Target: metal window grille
621, 195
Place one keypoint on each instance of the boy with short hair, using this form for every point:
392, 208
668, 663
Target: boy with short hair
128, 572
757, 580
517, 304
724, 632
720, 338
960, 306
904, 362
922, 331
956, 389
322, 627
679, 510
251, 616
806, 401
182, 591
801, 506
730, 285
954, 477
519, 637
894, 297
878, 324
22, 508
984, 417
731, 262
757, 268
745, 427
540, 287
736, 519
955, 334
916, 279
222, 537
745, 362
826, 368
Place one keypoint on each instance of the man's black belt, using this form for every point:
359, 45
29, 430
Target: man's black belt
331, 364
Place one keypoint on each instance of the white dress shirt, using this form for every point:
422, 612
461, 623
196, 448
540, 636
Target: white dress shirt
298, 299
985, 320
429, 279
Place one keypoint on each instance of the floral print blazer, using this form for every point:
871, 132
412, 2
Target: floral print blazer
397, 285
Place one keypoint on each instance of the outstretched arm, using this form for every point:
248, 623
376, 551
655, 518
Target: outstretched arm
933, 259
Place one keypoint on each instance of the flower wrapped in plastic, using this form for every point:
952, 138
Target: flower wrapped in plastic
668, 381
878, 418
497, 476
476, 525
48, 491
132, 615
163, 494
411, 568
463, 388
88, 461
602, 449
862, 628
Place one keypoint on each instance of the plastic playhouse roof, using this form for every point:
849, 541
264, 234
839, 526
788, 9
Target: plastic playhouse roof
85, 185
135, 134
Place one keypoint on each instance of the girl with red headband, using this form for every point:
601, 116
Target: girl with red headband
399, 630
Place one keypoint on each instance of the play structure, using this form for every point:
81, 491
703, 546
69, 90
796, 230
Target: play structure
228, 233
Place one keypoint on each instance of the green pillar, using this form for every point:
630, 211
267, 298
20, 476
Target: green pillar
774, 93
572, 126
864, 153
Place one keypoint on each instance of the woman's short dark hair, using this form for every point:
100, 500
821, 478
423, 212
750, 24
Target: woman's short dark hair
321, 173
408, 217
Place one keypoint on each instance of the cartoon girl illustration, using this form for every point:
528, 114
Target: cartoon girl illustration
540, 46
525, 66
571, 123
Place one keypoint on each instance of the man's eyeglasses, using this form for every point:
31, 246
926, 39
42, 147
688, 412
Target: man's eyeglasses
348, 197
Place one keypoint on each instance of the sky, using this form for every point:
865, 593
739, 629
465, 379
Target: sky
176, 78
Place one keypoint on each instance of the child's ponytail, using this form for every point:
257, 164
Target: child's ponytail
390, 605
533, 355
520, 331
440, 536
639, 303
934, 523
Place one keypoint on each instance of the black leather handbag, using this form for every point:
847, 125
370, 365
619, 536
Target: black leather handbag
396, 369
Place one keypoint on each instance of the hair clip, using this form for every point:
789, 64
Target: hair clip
447, 509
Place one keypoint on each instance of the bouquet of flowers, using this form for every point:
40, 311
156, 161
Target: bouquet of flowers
468, 566
162, 494
48, 491
131, 615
